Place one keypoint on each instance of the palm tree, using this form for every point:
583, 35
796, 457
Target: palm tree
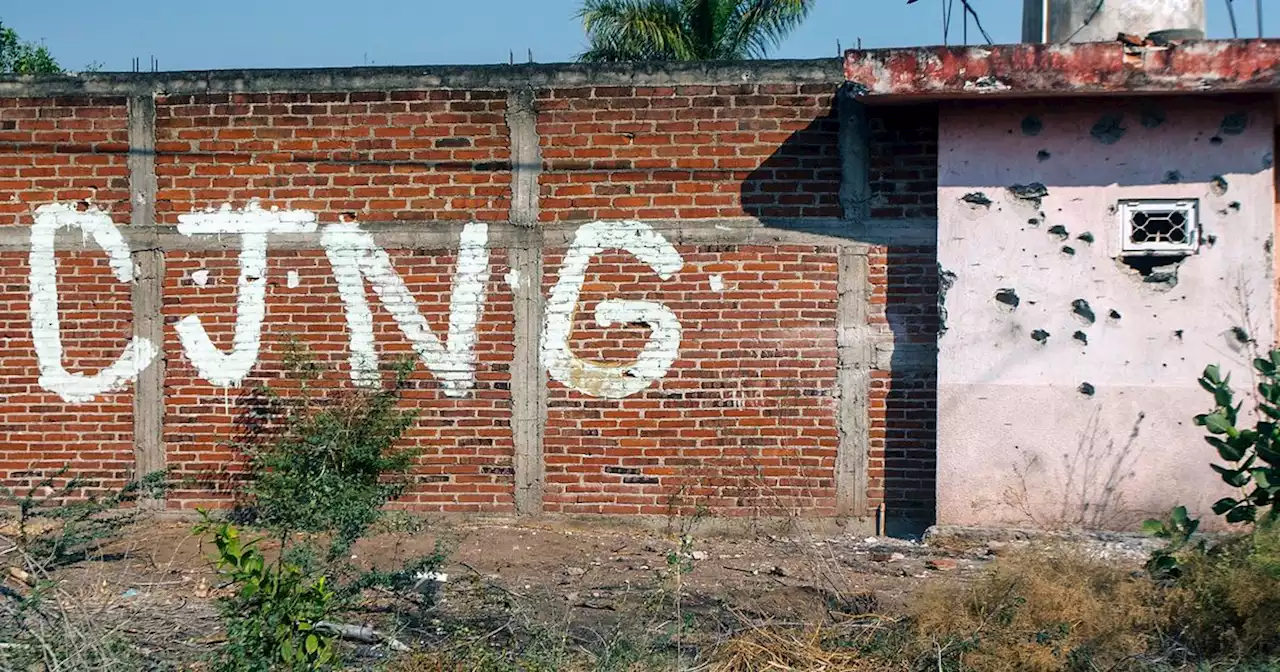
687, 30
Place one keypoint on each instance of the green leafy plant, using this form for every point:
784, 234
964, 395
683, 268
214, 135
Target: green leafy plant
1177, 529
1253, 452
275, 611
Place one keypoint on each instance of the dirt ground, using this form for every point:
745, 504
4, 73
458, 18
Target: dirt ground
155, 586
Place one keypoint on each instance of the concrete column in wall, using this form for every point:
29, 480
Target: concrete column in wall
854, 339
855, 155
855, 345
148, 287
528, 382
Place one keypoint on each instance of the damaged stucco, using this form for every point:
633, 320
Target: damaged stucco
1024, 70
1067, 381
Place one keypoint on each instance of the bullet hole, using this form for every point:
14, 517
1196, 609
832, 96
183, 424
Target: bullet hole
1031, 126
1159, 272
1234, 205
1086, 237
1240, 334
1114, 315
1210, 240
1082, 337
1268, 244
1177, 334
1032, 193
1218, 185
1008, 297
1043, 155
976, 198
1108, 130
946, 280
1172, 177
1215, 141
1086, 389
1060, 231
1152, 117
1034, 221
1082, 310
1234, 123
1068, 250
1040, 336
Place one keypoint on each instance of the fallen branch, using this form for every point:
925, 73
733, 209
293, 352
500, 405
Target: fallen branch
360, 633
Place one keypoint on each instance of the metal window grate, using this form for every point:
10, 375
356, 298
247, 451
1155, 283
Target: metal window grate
1159, 227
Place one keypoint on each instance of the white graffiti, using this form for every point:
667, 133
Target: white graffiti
612, 380
356, 258
253, 225
45, 329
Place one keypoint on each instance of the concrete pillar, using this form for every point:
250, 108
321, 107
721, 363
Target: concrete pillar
528, 377
148, 290
1102, 20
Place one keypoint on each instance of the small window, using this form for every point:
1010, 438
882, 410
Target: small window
1159, 227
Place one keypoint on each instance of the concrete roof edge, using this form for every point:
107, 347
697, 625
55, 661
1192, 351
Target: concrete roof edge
499, 77
1092, 68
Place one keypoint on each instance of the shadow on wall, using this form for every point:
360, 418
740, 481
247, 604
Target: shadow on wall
1086, 488
801, 181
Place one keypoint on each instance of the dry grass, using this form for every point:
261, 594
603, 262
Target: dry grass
775, 650
1038, 611
1226, 602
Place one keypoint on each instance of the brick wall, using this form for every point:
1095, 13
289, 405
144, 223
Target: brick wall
689, 152
62, 149
742, 422
40, 432
382, 156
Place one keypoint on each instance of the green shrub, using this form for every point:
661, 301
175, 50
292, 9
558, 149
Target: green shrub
322, 465
1254, 452
326, 462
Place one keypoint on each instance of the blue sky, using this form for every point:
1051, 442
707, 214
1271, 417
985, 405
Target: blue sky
210, 34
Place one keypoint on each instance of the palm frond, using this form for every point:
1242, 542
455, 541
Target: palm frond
760, 25
626, 30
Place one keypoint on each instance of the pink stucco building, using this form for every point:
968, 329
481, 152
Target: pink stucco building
1106, 224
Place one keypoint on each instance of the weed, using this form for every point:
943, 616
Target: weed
1177, 530
54, 523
